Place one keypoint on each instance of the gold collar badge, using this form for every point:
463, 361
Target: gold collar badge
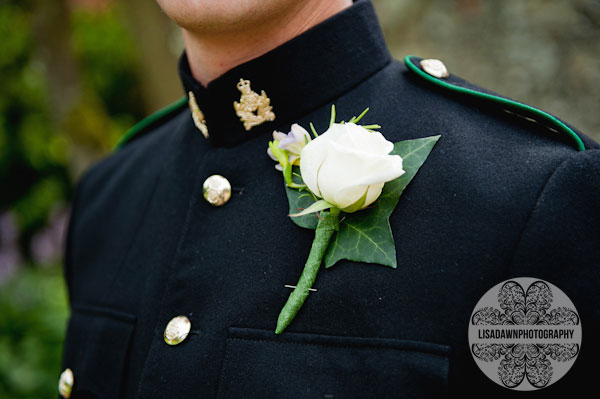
253, 109
197, 115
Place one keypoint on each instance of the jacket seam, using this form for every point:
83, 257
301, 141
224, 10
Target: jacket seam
536, 205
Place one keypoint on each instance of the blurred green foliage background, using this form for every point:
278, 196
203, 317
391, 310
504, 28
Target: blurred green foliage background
70, 84
76, 74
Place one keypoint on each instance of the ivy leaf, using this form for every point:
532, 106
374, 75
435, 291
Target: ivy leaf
366, 236
298, 201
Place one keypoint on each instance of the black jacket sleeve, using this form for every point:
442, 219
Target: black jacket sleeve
561, 244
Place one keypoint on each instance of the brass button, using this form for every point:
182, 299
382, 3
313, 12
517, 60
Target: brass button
177, 330
435, 68
216, 190
65, 383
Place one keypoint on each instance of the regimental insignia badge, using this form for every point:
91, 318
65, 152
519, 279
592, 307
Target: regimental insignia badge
197, 115
253, 108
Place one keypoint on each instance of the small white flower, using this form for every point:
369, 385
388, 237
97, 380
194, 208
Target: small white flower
293, 143
348, 163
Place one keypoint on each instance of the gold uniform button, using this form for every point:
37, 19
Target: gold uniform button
435, 68
177, 330
216, 190
65, 383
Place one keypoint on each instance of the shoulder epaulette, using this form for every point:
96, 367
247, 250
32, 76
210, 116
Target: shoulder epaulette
435, 72
150, 120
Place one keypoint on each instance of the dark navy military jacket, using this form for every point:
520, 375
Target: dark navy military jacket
508, 191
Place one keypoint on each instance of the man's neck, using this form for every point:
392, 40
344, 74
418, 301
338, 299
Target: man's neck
211, 55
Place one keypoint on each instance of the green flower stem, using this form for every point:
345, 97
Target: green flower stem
327, 226
287, 173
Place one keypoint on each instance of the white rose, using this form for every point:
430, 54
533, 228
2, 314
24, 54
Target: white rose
347, 161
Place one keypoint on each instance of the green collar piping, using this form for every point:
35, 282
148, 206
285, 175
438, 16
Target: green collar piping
149, 120
553, 121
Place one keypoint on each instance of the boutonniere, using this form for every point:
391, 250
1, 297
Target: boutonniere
344, 184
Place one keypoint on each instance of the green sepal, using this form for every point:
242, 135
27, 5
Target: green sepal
287, 174
332, 118
366, 235
286, 166
313, 130
356, 119
280, 154
320, 205
357, 205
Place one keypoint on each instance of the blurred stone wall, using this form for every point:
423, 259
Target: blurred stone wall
544, 53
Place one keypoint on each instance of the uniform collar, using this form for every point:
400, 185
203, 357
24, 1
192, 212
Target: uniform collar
303, 74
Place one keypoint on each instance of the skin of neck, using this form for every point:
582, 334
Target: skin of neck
211, 54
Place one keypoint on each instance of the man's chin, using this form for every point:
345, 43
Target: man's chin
210, 16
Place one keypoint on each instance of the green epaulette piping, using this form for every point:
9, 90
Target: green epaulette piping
514, 105
149, 120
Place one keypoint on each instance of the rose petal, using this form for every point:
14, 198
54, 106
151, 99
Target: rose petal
346, 173
311, 159
346, 160
359, 138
